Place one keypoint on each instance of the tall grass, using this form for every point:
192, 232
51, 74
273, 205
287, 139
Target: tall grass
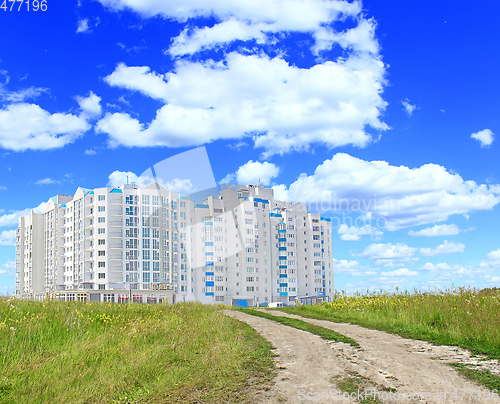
462, 317
102, 353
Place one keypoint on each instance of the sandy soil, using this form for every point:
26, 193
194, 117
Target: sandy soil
394, 369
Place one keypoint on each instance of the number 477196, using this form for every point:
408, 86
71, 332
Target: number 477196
28, 5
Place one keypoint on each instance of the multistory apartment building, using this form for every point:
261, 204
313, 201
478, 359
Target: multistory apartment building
238, 247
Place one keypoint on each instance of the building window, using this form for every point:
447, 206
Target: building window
101, 242
101, 264
102, 287
101, 209
101, 275
145, 199
101, 219
101, 231
101, 253
101, 198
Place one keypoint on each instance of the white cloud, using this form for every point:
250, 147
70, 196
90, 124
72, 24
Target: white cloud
27, 126
250, 93
431, 267
407, 107
445, 248
83, 26
437, 230
8, 268
399, 272
21, 95
11, 219
90, 152
390, 254
2, 188
139, 78
495, 279
118, 178
396, 197
285, 108
8, 237
353, 233
47, 181
492, 260
353, 268
90, 106
485, 137
252, 172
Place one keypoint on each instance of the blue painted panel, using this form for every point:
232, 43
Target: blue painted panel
242, 303
209, 223
281, 231
282, 240
281, 248
283, 275
201, 206
209, 264
211, 283
209, 254
283, 285
282, 258
209, 243
283, 293
326, 219
260, 200
209, 293
283, 266
209, 274
275, 215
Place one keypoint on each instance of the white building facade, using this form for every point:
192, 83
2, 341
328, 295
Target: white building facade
240, 247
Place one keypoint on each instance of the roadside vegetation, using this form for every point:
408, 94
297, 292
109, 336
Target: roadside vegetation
109, 353
324, 333
461, 317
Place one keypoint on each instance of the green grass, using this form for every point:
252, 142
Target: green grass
483, 377
461, 317
324, 333
108, 353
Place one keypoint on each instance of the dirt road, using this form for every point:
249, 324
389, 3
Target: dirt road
385, 366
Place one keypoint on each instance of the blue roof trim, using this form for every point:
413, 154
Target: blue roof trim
201, 206
183, 197
326, 219
260, 200
116, 191
54, 199
275, 215
63, 205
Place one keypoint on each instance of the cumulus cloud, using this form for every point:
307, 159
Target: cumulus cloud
90, 152
431, 267
485, 137
252, 91
8, 268
2, 188
492, 260
90, 106
399, 272
27, 126
390, 196
283, 107
407, 107
437, 230
353, 268
252, 172
354, 233
390, 254
83, 26
445, 248
8, 237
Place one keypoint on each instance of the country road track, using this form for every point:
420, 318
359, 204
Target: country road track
394, 369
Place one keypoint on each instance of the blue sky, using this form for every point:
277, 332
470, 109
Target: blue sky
383, 115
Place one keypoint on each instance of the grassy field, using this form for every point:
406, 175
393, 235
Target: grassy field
108, 353
324, 333
461, 317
